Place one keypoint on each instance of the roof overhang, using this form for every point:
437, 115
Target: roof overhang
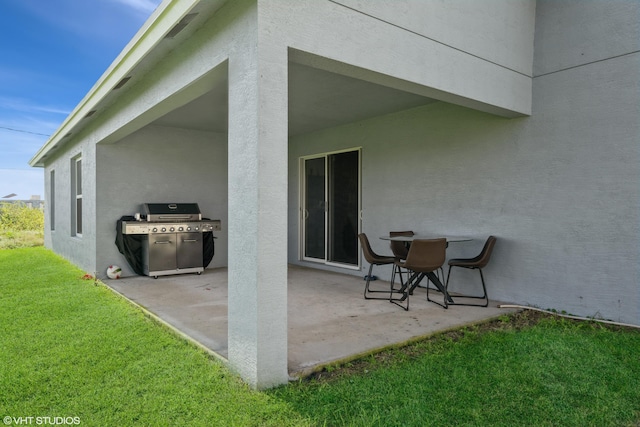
163, 25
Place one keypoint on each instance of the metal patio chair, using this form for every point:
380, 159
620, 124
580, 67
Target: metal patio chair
400, 251
425, 257
476, 263
373, 259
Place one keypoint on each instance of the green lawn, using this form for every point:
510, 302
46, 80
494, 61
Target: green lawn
557, 373
71, 348
11, 239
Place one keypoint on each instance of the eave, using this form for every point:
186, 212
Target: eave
163, 20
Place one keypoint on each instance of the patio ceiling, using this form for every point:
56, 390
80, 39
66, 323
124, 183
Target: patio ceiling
318, 99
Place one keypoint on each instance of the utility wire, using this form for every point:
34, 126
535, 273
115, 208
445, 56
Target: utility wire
23, 131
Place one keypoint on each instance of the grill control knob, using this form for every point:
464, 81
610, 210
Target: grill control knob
188, 228
171, 229
155, 229
163, 229
197, 228
181, 228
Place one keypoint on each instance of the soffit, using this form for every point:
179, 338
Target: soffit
318, 99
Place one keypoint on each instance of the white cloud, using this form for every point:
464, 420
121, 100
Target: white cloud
145, 6
105, 22
19, 104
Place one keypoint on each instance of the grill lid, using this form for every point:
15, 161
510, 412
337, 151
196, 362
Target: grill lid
171, 211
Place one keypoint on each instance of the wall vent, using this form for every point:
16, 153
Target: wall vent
180, 25
121, 83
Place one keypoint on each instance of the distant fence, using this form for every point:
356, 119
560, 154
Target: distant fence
31, 203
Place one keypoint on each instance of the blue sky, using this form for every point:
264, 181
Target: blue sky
52, 52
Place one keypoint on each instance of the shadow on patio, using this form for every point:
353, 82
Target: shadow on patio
329, 320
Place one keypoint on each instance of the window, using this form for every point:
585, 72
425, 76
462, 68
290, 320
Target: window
52, 200
76, 196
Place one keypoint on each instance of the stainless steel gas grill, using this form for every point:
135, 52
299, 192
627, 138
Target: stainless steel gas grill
167, 238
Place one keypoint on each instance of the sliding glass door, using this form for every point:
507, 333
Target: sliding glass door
315, 208
331, 208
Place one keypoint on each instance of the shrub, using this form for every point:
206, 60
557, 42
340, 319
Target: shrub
21, 239
20, 217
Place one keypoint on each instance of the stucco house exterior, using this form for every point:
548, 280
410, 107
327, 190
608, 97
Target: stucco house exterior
518, 119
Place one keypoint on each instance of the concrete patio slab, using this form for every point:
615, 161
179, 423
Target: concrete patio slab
329, 320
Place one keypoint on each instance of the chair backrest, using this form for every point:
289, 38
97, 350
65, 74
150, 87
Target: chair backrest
426, 255
368, 253
400, 249
483, 259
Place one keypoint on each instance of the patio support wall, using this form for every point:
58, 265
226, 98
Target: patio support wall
258, 210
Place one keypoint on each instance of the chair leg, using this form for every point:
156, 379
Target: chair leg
398, 301
439, 288
397, 270
484, 297
366, 286
404, 291
484, 289
369, 291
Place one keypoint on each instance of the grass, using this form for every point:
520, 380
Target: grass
70, 348
555, 373
12, 239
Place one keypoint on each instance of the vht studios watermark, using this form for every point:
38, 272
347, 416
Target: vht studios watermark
41, 421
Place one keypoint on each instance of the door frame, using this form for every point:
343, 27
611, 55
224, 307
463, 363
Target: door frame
301, 201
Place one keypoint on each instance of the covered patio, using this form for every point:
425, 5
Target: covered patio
328, 318
301, 124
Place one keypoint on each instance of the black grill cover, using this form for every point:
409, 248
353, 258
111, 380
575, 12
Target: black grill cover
208, 247
130, 245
